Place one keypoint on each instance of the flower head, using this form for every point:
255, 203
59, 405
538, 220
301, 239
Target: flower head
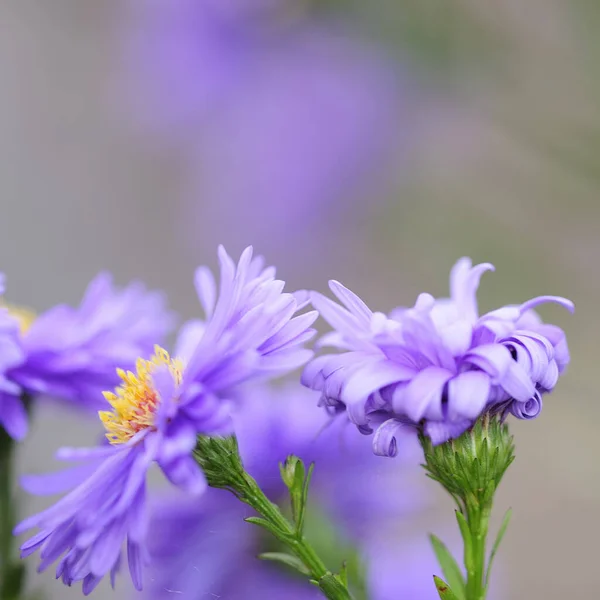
73, 353
158, 411
438, 365
206, 548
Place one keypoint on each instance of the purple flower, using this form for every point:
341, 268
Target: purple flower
205, 548
157, 414
438, 365
13, 417
285, 121
73, 353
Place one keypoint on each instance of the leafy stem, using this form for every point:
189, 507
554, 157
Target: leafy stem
222, 465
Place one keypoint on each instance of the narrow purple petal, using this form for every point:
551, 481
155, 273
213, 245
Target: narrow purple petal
352, 302
13, 416
136, 564
206, 289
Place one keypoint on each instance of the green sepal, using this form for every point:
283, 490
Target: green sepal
333, 588
287, 559
449, 566
498, 540
443, 589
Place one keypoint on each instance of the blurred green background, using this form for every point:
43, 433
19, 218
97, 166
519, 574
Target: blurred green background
500, 161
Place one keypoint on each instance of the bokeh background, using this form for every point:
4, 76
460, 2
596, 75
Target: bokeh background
374, 142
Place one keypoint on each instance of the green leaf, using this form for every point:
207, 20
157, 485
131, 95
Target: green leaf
303, 501
273, 529
465, 532
499, 536
450, 568
443, 590
287, 559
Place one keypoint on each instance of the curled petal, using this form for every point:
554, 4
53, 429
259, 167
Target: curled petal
464, 282
385, 438
517, 383
527, 410
565, 302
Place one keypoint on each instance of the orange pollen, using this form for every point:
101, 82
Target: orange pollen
135, 401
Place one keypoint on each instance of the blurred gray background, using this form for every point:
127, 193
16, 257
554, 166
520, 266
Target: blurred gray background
503, 165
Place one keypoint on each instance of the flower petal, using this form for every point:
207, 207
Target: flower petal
423, 395
467, 395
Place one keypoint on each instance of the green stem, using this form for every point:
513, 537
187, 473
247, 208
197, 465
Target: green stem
256, 498
222, 466
478, 518
11, 571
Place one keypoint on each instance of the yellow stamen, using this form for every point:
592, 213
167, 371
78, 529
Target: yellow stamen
24, 316
135, 401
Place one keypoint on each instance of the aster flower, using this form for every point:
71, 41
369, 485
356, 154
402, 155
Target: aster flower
204, 548
157, 414
72, 353
438, 365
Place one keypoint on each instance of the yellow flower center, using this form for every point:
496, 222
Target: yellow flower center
135, 401
24, 316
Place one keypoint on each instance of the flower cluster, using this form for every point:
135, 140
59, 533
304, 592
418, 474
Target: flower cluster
71, 353
250, 332
438, 365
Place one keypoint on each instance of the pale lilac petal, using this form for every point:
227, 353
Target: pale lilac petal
372, 377
517, 383
351, 301
423, 395
442, 431
494, 359
339, 318
550, 378
467, 395
206, 288
565, 302
464, 281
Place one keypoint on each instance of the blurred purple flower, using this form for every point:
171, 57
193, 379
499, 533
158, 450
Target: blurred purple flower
438, 365
157, 413
205, 548
73, 353
13, 417
290, 123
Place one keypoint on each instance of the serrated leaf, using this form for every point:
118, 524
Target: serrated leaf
449, 566
498, 540
287, 559
443, 589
